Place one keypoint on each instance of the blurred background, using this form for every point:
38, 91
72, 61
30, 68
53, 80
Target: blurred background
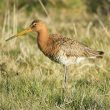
29, 80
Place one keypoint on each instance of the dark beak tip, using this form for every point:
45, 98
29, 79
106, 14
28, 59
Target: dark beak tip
10, 38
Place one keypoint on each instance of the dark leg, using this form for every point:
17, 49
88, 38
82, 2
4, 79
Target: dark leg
64, 95
65, 77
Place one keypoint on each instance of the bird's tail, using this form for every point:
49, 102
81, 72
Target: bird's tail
99, 54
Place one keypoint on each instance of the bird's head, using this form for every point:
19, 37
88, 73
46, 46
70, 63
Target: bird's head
36, 26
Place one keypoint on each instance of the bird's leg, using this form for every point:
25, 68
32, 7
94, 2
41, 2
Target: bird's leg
65, 84
65, 77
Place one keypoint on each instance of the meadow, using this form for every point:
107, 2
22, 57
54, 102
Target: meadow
31, 81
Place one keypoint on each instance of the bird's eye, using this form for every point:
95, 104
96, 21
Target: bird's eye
34, 24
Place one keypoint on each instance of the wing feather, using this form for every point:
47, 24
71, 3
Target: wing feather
73, 48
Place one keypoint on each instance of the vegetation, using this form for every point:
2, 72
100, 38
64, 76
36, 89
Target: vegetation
30, 81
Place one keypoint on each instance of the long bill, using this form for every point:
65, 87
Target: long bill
20, 33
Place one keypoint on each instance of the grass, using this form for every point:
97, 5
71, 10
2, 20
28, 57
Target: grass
30, 81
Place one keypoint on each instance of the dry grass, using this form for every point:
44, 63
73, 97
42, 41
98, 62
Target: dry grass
30, 81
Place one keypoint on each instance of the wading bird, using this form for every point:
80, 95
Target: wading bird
60, 49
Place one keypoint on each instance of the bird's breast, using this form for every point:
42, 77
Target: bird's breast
50, 50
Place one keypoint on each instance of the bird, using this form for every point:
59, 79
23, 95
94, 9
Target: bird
60, 49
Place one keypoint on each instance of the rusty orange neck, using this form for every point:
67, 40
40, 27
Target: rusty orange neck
43, 37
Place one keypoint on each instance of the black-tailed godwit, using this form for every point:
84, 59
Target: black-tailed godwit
60, 49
